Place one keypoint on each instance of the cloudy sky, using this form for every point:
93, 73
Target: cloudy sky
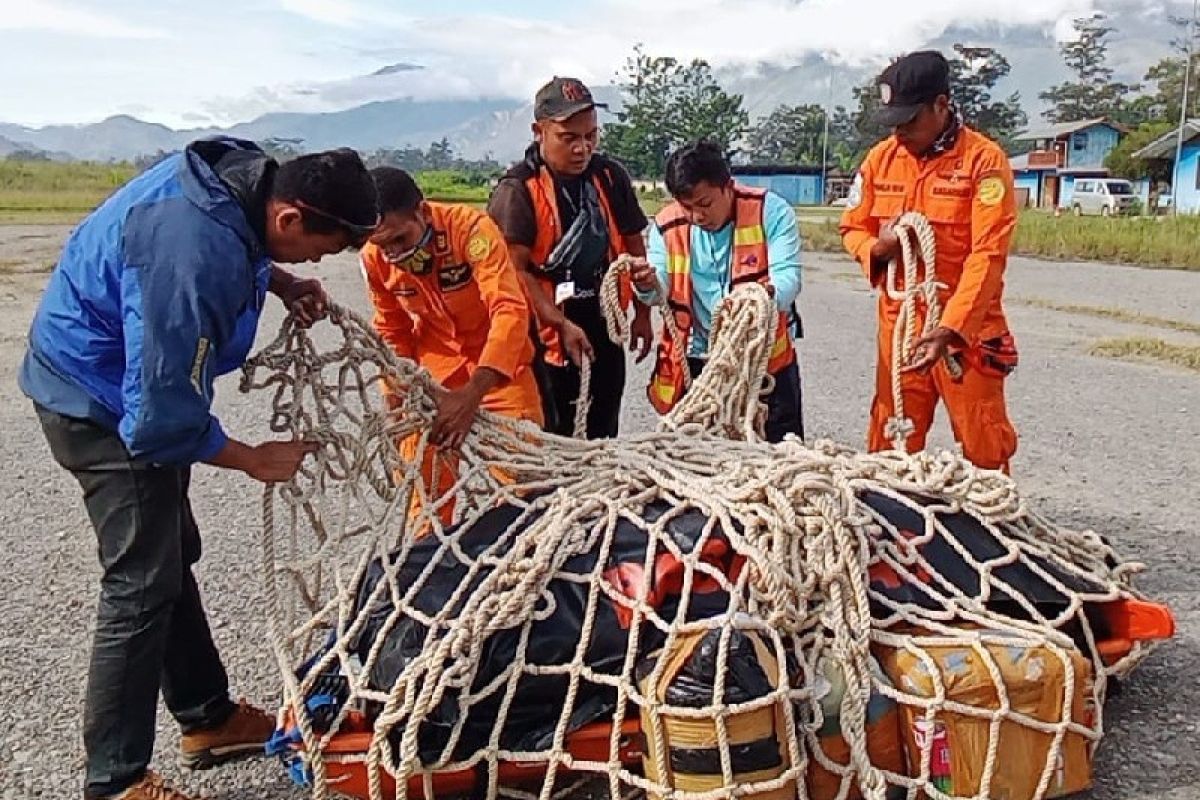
196, 63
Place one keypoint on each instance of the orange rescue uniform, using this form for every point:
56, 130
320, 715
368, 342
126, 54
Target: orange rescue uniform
465, 312
967, 194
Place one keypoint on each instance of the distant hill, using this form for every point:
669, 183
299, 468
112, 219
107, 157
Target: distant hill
8, 146
386, 123
120, 138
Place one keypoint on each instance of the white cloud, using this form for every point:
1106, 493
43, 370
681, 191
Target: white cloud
499, 55
57, 17
304, 55
332, 12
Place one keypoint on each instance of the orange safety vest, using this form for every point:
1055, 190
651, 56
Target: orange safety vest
549, 230
750, 263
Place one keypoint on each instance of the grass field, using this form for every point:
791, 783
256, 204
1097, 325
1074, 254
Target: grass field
1163, 242
1107, 312
1141, 348
48, 192
1168, 242
36, 191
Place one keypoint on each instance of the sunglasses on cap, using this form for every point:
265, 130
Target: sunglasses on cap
358, 233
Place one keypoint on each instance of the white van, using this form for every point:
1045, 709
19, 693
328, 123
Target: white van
1105, 196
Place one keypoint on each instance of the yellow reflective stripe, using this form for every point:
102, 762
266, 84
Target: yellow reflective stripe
664, 389
780, 346
677, 264
750, 235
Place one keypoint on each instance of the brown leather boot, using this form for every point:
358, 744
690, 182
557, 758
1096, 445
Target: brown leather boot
151, 787
245, 733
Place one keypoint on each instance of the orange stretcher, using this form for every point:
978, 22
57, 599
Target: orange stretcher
346, 768
1131, 622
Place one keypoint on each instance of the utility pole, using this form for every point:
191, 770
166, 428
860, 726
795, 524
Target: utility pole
1183, 108
825, 141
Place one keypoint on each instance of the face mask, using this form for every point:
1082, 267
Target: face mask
417, 259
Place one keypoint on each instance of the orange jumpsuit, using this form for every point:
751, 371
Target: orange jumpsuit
467, 311
967, 194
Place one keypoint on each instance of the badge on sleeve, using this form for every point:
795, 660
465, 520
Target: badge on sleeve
478, 247
855, 197
991, 191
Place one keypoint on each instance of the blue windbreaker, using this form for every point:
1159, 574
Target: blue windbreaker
157, 293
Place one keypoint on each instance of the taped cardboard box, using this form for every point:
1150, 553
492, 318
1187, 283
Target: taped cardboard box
1034, 678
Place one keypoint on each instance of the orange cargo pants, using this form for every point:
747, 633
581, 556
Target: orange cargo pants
975, 405
517, 399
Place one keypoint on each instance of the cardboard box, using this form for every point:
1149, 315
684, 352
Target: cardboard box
1034, 678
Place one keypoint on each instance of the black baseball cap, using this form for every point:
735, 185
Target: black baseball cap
909, 83
562, 98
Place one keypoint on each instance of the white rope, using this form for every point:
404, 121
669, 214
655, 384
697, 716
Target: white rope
917, 290
794, 514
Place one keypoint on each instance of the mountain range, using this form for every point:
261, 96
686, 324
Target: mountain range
499, 127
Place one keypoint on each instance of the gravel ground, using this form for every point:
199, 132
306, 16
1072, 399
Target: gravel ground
1105, 444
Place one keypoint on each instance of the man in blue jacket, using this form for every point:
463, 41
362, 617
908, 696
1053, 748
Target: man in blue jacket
157, 293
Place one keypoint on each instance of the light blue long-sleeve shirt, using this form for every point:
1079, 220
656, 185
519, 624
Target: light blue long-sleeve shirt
711, 267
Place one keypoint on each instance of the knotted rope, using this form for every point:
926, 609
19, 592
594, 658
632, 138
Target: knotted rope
794, 514
619, 333
918, 290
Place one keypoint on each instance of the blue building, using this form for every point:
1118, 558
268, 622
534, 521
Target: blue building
800, 186
1187, 174
1045, 176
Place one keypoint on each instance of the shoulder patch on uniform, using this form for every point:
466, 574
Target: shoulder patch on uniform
854, 198
478, 247
991, 190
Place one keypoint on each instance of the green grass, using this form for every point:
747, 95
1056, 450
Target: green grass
37, 191
1169, 242
49, 192
454, 187
821, 236
1108, 312
1143, 348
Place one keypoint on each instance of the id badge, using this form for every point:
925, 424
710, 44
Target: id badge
563, 292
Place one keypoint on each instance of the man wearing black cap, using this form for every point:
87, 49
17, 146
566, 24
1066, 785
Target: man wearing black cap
567, 212
961, 181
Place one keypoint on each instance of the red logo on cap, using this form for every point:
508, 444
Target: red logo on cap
573, 91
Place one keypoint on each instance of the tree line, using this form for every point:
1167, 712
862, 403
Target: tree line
669, 102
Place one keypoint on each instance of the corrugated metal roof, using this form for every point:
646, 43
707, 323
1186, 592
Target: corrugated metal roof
1164, 146
1064, 129
1021, 164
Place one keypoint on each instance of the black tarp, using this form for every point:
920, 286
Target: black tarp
553, 640
535, 709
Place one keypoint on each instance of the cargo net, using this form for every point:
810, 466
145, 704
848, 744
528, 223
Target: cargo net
690, 613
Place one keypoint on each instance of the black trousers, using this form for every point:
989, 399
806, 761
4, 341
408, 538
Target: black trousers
785, 413
151, 631
560, 385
